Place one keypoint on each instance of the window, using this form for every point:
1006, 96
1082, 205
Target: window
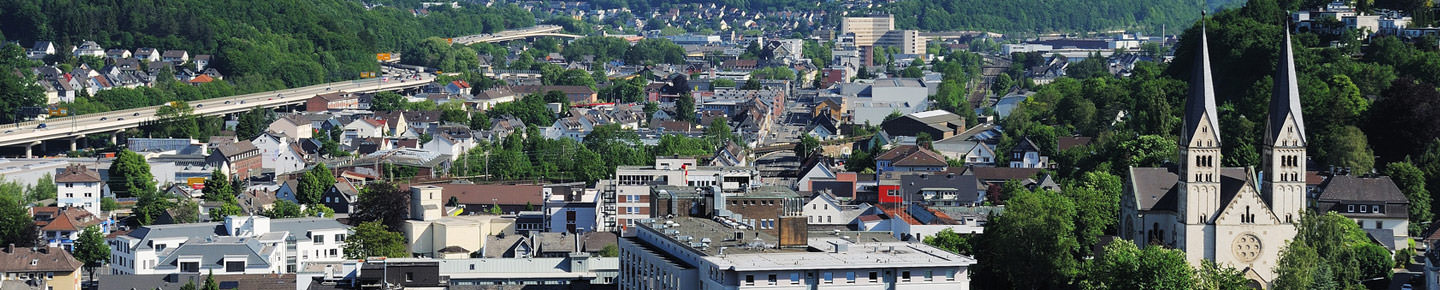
794, 278
772, 279
235, 266
334, 253
339, 237
904, 276
1379, 224
319, 239
949, 275
1375, 208
749, 280
409, 277
850, 277
1350, 208
1364, 209
929, 276
829, 278
874, 276
190, 267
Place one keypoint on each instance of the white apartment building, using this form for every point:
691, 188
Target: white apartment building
689, 253
571, 209
249, 245
81, 187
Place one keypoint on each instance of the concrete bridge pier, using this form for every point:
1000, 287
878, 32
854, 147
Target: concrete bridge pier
112, 137
74, 141
29, 148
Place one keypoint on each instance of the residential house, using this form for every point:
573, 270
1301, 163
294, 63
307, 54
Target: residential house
906, 158
363, 128
827, 209
47, 268
1374, 203
117, 54
238, 245
240, 160
451, 142
486, 99
332, 102
80, 187
1026, 154
202, 62
458, 87
294, 126
948, 188
177, 57
575, 94
255, 201
731, 154
816, 167
147, 55
40, 50
279, 154
61, 226
341, 196
88, 48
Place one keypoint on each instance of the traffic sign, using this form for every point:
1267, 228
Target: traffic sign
382, 56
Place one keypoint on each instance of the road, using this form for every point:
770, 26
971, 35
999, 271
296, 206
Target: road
29, 133
539, 30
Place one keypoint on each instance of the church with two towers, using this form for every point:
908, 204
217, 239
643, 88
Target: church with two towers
1235, 216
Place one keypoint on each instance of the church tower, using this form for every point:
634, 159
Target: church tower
1284, 176
1200, 146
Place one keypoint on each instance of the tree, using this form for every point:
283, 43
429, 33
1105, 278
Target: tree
1125, 266
1412, 182
807, 145
1032, 245
228, 209
949, 240
387, 101
210, 282
189, 285
319, 210
43, 189
723, 83
149, 206
218, 187
16, 225
185, 211
1096, 196
373, 239
1348, 148
91, 249
108, 204
685, 108
1408, 104
18, 89
385, 203
313, 184
1329, 249
1211, 276
130, 175
283, 209
252, 123
609, 251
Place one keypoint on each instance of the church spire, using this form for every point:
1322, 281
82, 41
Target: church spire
1200, 107
1285, 95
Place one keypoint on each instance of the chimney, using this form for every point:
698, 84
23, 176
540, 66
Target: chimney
10, 248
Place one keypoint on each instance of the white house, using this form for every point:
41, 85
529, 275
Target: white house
294, 125
249, 245
88, 48
366, 128
80, 187
826, 209
279, 153
451, 143
571, 209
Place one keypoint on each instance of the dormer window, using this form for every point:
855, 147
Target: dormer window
34, 262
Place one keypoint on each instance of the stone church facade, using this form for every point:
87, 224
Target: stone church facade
1235, 216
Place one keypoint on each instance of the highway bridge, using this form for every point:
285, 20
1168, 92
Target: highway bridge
536, 31
32, 133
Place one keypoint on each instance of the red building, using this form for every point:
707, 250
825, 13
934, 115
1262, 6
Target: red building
332, 101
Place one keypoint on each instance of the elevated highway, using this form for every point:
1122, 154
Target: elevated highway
508, 35
31, 133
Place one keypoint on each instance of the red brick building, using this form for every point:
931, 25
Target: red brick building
332, 101
240, 159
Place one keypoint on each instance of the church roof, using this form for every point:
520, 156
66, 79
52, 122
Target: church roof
1157, 188
1202, 96
1285, 96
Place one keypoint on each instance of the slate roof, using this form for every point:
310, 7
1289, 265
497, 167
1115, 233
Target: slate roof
1156, 188
1202, 95
46, 259
1284, 96
210, 253
1342, 190
911, 155
77, 173
236, 148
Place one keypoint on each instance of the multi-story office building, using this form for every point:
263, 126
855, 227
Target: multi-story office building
686, 253
627, 197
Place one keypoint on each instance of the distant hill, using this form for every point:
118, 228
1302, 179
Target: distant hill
1050, 16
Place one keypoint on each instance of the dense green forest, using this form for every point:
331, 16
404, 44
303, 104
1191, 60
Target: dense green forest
259, 45
1038, 16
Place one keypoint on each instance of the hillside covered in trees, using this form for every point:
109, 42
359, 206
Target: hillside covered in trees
258, 45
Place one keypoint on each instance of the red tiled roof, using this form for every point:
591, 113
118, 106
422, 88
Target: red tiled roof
911, 155
202, 79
